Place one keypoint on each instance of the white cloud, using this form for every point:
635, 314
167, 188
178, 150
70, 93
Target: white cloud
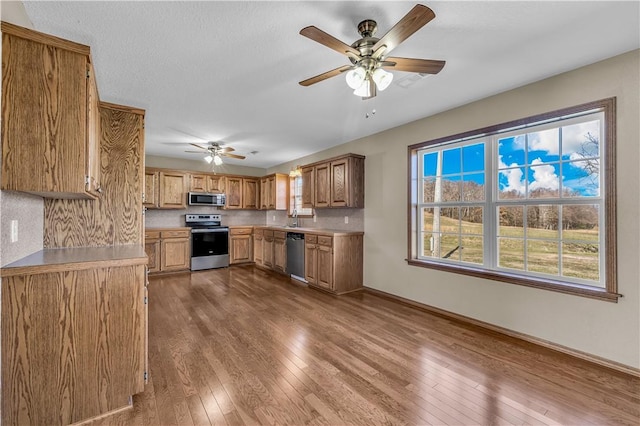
544, 177
575, 135
515, 181
546, 140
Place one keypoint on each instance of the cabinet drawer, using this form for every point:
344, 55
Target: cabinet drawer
311, 238
323, 240
151, 235
281, 235
176, 234
240, 231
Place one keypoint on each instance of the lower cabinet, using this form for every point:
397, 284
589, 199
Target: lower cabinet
240, 245
267, 249
334, 263
257, 246
280, 251
73, 340
168, 250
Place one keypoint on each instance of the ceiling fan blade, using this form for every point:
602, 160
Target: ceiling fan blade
325, 75
198, 146
409, 24
225, 149
425, 66
317, 35
240, 157
195, 152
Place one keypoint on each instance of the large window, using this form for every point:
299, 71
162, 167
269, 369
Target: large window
528, 202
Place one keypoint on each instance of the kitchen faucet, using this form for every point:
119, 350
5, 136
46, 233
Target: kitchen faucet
294, 215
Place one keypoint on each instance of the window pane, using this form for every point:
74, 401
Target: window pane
511, 222
473, 158
428, 190
511, 151
449, 219
542, 256
580, 261
543, 147
450, 246
472, 249
427, 219
542, 222
430, 248
511, 253
543, 181
451, 161
430, 162
581, 178
511, 183
471, 220
473, 187
581, 141
580, 223
450, 189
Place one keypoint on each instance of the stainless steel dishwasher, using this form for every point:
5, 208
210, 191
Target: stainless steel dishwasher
295, 255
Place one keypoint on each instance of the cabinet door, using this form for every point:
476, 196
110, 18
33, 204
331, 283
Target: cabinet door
175, 254
215, 184
325, 267
173, 194
240, 249
339, 183
93, 134
280, 254
308, 186
198, 183
152, 247
234, 193
151, 193
267, 251
257, 249
311, 262
250, 193
323, 185
264, 197
271, 193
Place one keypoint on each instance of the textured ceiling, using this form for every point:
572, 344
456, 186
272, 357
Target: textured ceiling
229, 71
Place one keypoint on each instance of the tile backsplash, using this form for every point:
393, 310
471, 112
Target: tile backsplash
325, 218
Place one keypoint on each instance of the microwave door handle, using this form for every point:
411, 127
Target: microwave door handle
206, 231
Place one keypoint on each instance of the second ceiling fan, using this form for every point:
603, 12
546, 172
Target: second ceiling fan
216, 152
368, 55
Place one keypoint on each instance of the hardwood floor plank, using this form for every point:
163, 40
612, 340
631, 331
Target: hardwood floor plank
242, 346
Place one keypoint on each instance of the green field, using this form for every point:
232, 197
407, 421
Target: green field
579, 259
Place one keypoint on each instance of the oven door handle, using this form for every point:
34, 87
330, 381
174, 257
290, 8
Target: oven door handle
207, 231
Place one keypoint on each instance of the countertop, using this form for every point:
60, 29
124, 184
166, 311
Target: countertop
77, 258
319, 231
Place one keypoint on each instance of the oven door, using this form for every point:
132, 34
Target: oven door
209, 242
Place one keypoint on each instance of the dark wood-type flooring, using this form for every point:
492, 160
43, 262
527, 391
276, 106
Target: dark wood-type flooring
246, 346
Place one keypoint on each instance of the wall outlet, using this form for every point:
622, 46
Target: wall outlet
14, 231
314, 219
274, 217
346, 219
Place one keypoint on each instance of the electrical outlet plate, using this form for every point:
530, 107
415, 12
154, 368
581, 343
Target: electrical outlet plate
346, 219
14, 230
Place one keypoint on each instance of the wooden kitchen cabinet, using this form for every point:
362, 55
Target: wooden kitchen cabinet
204, 182
250, 193
334, 263
258, 246
308, 187
240, 245
50, 121
73, 334
234, 192
168, 249
274, 192
151, 193
336, 182
173, 190
280, 251
322, 193
267, 249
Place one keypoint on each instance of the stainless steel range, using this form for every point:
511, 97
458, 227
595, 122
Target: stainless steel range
209, 241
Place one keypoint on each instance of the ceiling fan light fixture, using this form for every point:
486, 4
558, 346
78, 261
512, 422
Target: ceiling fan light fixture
356, 77
217, 160
364, 90
208, 159
382, 78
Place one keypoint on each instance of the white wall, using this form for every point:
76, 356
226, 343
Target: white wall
604, 329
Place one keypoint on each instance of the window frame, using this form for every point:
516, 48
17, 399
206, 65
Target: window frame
291, 200
608, 184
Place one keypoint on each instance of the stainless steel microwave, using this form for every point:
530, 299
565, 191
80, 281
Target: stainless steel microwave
206, 199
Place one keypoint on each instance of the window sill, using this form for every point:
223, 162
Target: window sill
557, 286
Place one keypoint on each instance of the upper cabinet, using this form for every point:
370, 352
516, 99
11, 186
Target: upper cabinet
203, 182
50, 131
274, 192
165, 189
337, 182
250, 193
234, 192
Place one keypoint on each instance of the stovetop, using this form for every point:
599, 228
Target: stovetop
203, 220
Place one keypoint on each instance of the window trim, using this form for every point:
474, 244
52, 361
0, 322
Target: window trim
609, 292
292, 183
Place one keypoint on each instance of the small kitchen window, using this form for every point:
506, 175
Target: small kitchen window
295, 198
529, 202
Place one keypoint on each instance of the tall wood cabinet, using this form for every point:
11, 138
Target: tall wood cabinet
49, 116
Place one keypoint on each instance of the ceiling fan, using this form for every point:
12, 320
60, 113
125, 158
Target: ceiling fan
215, 152
368, 55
